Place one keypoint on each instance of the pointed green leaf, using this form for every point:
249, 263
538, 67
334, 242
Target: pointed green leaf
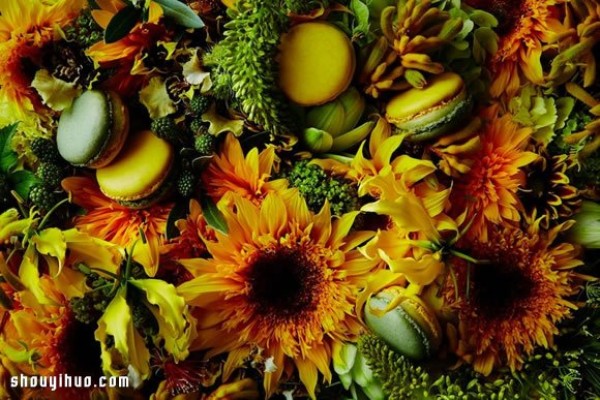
8, 157
212, 215
122, 23
181, 13
22, 181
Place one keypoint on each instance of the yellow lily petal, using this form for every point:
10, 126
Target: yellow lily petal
51, 242
128, 343
175, 323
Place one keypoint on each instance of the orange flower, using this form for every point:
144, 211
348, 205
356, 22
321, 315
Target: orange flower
130, 46
231, 172
47, 340
110, 221
489, 190
512, 304
282, 279
25, 27
525, 26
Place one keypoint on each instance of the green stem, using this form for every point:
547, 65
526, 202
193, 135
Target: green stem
49, 213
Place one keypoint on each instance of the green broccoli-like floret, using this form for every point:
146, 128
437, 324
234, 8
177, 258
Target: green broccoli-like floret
198, 126
186, 183
84, 31
542, 377
43, 197
316, 187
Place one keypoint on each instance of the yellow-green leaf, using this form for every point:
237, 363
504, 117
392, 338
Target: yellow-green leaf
156, 99
55, 93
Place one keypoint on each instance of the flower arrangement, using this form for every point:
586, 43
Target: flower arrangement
300, 199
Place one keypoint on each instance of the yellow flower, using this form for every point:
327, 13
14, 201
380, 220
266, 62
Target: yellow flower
413, 241
25, 27
284, 280
528, 25
107, 220
488, 191
512, 304
231, 172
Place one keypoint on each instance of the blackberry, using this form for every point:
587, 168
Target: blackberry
51, 174
43, 197
165, 128
198, 126
199, 104
45, 150
186, 183
205, 144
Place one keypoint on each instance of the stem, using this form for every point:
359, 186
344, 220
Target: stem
49, 213
129, 262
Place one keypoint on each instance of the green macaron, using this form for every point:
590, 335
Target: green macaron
93, 130
430, 112
410, 328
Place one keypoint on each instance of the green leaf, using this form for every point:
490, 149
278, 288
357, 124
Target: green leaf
8, 157
212, 215
179, 211
22, 181
122, 23
361, 14
181, 13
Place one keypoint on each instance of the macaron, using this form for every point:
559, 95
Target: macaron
410, 328
142, 174
93, 130
427, 113
316, 63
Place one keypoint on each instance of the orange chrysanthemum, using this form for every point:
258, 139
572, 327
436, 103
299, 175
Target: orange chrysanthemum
525, 25
110, 221
25, 27
231, 172
47, 340
282, 279
511, 304
489, 190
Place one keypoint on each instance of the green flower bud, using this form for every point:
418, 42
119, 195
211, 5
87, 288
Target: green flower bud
586, 230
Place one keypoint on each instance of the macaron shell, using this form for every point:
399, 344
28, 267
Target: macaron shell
397, 329
139, 170
118, 133
84, 128
412, 102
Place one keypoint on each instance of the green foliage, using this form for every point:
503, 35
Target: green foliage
316, 187
244, 65
5, 196
89, 308
588, 173
575, 123
550, 375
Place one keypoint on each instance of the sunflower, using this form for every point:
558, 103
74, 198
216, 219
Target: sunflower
108, 220
489, 190
512, 303
548, 194
525, 26
25, 27
284, 280
48, 341
231, 172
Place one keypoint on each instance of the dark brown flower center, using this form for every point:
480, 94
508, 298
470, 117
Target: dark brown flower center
499, 290
284, 282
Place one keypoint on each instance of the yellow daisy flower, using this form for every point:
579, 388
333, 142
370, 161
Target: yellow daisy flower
283, 280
